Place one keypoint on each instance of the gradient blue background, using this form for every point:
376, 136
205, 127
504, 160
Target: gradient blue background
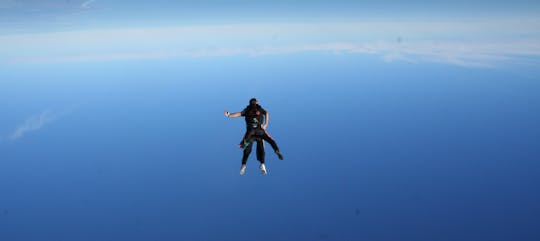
374, 150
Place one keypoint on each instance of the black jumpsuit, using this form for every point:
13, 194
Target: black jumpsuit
254, 115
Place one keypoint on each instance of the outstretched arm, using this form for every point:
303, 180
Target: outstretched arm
235, 114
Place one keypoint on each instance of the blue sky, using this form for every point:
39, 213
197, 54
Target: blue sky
97, 14
398, 121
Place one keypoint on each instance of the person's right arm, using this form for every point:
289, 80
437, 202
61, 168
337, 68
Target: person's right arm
235, 114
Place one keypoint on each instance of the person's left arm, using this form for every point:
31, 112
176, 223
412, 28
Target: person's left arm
266, 121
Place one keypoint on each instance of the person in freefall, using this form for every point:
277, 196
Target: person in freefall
257, 120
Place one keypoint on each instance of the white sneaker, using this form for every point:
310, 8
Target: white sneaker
243, 169
263, 169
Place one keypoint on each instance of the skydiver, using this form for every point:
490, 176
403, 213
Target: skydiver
257, 120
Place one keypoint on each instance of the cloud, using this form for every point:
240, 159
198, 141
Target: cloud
87, 3
34, 123
479, 43
52, 7
469, 55
391, 57
18, 16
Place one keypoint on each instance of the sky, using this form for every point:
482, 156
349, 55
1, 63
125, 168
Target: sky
398, 121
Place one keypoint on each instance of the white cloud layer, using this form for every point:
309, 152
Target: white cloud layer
483, 42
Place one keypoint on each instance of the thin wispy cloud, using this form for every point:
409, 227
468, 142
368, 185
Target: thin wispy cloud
18, 16
469, 55
87, 3
396, 56
34, 123
478, 43
23, 9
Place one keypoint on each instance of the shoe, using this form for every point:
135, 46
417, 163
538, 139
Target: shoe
279, 155
263, 169
243, 170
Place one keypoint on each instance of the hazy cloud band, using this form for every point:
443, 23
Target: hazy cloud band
470, 43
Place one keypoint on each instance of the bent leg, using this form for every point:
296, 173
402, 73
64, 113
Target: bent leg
270, 140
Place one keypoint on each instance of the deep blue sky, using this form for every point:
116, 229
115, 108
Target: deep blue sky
417, 127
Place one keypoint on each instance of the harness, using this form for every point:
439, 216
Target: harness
253, 117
